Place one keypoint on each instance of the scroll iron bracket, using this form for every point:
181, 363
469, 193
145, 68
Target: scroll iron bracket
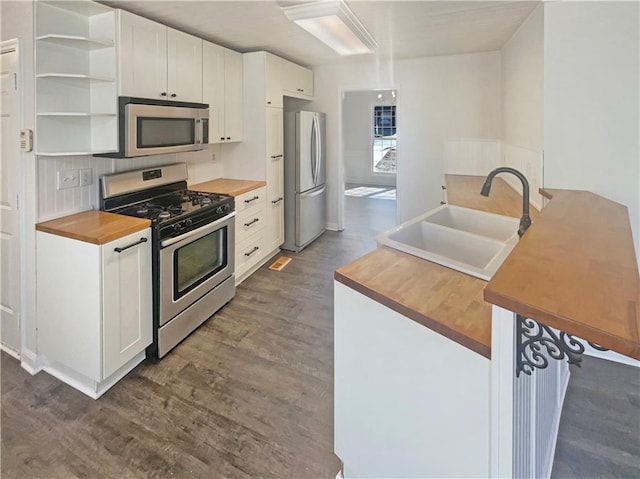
533, 339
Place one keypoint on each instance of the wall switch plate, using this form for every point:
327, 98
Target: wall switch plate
86, 176
68, 179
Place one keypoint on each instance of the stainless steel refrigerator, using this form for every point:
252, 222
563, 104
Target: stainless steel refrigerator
305, 210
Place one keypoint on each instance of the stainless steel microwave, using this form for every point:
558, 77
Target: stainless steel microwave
156, 127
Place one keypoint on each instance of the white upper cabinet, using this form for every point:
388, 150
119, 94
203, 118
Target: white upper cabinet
184, 66
297, 81
273, 80
233, 95
75, 77
222, 72
157, 61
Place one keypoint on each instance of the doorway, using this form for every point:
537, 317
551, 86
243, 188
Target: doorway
10, 280
369, 137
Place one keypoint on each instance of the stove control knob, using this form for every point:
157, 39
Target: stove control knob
219, 210
188, 222
177, 227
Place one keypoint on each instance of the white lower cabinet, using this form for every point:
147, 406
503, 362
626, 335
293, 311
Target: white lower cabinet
251, 242
94, 308
408, 401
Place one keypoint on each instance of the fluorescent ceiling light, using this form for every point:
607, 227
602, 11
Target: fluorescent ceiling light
334, 24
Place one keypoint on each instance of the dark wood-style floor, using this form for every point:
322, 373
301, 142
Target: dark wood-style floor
250, 393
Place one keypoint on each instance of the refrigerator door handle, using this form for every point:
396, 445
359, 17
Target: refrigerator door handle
316, 125
313, 193
313, 150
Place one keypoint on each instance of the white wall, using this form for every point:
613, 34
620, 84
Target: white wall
591, 100
523, 103
438, 98
357, 131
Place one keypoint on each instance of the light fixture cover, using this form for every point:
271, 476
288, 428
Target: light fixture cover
333, 23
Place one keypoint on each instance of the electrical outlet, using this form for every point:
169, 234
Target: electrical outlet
68, 179
86, 176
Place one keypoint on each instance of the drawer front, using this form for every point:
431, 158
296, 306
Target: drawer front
250, 200
249, 252
250, 221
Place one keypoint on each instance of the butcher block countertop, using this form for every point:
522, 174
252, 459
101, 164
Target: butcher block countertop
228, 186
97, 227
575, 270
437, 297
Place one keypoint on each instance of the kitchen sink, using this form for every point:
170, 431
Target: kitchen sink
473, 242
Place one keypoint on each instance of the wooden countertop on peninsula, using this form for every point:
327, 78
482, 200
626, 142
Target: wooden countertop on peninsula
575, 270
228, 186
97, 227
437, 297
443, 300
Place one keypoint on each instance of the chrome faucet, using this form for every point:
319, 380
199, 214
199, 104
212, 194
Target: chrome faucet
525, 220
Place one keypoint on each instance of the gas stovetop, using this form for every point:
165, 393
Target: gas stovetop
161, 195
175, 205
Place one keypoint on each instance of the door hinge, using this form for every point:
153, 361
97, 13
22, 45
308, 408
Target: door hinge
15, 81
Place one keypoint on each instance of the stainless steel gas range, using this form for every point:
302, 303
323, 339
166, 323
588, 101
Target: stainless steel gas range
192, 246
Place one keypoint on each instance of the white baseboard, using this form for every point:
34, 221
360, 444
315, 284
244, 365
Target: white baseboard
10, 351
30, 362
333, 227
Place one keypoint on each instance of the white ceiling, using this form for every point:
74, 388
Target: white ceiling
402, 29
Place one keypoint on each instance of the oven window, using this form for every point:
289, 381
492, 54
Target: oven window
156, 132
198, 261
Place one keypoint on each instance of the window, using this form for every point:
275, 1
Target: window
384, 139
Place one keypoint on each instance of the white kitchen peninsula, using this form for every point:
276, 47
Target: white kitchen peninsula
425, 369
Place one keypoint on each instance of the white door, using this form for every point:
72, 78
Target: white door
9, 180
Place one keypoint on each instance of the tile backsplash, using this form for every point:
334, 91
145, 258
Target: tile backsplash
202, 166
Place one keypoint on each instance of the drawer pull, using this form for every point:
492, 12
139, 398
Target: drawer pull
252, 199
140, 241
276, 157
254, 220
249, 253
277, 200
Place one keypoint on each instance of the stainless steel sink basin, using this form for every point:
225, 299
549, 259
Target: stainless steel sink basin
470, 241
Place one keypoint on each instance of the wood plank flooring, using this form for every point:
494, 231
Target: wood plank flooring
250, 393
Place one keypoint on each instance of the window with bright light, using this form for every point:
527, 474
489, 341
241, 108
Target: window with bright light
384, 139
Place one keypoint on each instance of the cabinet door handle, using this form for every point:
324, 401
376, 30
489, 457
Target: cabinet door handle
277, 200
443, 202
222, 138
443, 187
173, 95
254, 220
228, 138
249, 253
252, 199
140, 241
268, 103
276, 157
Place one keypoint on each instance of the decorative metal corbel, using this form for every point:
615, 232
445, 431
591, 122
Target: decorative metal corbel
533, 339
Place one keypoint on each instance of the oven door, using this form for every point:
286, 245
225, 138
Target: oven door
193, 264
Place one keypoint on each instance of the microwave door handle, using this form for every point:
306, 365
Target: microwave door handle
198, 127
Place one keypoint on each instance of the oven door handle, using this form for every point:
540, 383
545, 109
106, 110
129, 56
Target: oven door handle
208, 226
